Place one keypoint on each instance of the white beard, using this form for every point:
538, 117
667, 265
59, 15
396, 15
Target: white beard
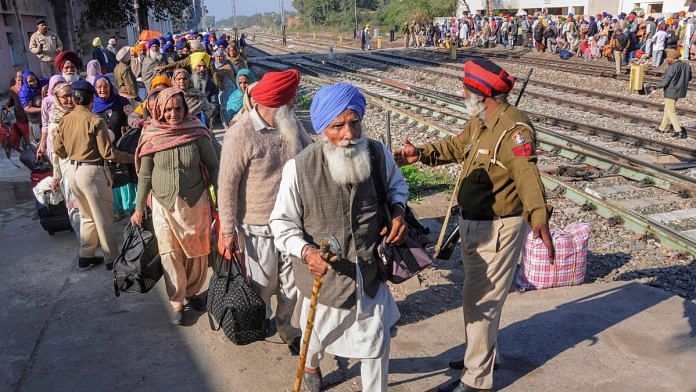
71, 77
288, 126
473, 107
348, 165
155, 55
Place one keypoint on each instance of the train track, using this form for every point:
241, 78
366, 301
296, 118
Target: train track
430, 117
393, 59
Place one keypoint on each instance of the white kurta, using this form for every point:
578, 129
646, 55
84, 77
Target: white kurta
360, 332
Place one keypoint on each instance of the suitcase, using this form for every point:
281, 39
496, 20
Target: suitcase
53, 218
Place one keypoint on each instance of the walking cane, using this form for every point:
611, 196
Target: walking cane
329, 245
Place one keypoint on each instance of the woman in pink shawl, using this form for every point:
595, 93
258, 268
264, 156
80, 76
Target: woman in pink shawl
46, 108
93, 70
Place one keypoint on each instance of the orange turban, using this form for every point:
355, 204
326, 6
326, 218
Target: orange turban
160, 79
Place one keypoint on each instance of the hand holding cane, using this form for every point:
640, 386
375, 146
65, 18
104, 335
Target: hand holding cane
329, 246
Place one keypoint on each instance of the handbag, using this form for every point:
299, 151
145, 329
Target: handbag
139, 267
128, 142
399, 263
232, 304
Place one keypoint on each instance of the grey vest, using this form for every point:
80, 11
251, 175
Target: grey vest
352, 214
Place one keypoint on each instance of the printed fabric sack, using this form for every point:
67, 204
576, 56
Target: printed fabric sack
571, 244
232, 303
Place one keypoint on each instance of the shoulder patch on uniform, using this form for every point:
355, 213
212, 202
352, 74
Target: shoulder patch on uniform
518, 139
523, 150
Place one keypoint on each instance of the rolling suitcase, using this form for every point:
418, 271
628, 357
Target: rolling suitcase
53, 217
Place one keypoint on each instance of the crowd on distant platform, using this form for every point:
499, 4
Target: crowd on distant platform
590, 37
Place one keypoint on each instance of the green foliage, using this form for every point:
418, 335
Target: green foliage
304, 102
263, 20
424, 180
118, 13
398, 12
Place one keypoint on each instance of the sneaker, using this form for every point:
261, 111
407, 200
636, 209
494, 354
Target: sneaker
177, 317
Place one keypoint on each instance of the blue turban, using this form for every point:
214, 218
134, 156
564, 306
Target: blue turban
330, 101
194, 32
167, 47
151, 42
180, 45
222, 42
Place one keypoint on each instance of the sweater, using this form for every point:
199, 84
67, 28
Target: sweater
250, 170
676, 80
177, 172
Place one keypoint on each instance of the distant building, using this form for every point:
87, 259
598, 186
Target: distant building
577, 7
18, 23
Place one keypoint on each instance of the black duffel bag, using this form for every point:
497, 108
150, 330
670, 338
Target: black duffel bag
233, 304
138, 268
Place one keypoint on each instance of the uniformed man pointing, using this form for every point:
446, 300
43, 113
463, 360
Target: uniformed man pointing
500, 190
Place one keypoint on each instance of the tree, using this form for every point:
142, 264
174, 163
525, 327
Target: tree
119, 13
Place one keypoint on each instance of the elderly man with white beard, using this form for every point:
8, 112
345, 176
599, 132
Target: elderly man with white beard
328, 189
153, 59
254, 151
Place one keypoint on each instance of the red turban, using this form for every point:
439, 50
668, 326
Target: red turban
276, 89
484, 77
63, 57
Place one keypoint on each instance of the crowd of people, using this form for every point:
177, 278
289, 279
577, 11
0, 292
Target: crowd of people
632, 34
279, 187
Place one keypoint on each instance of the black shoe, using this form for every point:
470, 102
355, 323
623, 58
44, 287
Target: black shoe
196, 303
460, 365
83, 262
458, 386
294, 346
109, 266
96, 260
658, 130
312, 381
177, 317
680, 135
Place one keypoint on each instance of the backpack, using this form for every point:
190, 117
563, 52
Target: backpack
138, 268
565, 54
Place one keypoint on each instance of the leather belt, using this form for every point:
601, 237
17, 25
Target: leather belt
98, 163
468, 215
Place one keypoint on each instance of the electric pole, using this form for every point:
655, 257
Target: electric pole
355, 30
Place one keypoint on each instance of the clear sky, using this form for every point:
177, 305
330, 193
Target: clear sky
222, 9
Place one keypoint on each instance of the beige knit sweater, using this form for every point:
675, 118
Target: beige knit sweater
250, 170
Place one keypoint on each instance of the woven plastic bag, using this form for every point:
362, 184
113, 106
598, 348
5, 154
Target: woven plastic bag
571, 244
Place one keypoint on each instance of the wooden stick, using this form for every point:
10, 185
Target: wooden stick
318, 280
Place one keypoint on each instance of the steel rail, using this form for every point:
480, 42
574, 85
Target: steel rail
542, 83
684, 153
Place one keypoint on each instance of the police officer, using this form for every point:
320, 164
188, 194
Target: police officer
83, 138
500, 189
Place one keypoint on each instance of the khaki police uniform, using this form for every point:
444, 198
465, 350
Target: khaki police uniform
82, 138
500, 189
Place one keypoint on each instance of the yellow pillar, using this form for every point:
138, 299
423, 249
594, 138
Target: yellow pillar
298, 34
379, 42
340, 39
453, 52
314, 36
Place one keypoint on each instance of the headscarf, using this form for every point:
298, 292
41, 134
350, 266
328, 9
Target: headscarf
123, 54
52, 85
217, 53
330, 101
161, 79
194, 96
93, 70
197, 57
28, 93
158, 136
113, 101
196, 46
236, 100
57, 108
276, 89
63, 57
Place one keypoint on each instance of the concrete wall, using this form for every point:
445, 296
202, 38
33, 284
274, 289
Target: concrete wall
15, 55
669, 7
